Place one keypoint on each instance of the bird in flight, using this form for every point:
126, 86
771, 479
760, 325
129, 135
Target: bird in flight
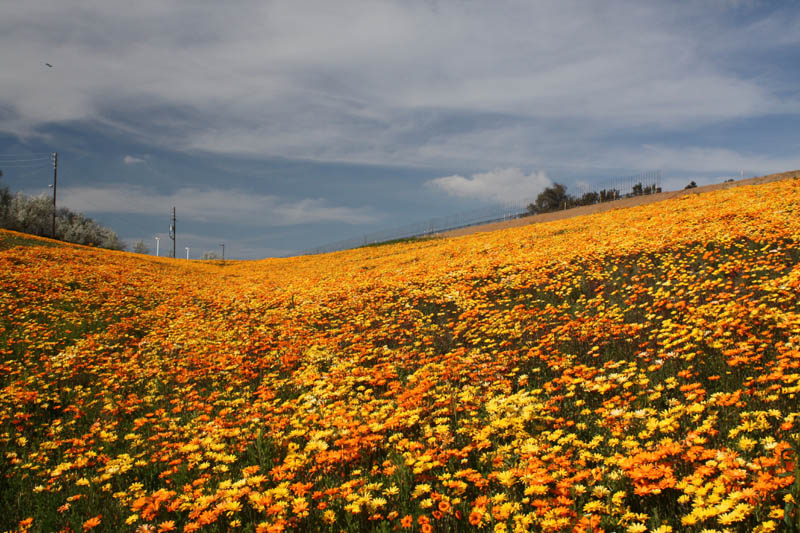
49, 65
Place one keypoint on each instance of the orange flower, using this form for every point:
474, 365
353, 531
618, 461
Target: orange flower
610, 341
92, 522
168, 525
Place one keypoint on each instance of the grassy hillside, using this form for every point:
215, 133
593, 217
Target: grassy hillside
635, 370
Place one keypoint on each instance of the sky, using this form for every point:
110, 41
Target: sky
276, 127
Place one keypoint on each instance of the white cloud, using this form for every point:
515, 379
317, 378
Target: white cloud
702, 159
211, 205
283, 79
501, 186
131, 160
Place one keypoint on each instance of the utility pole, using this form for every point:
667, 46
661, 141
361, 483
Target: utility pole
55, 182
223, 251
172, 231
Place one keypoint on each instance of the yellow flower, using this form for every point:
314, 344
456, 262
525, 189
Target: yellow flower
419, 490
593, 506
766, 527
506, 478
746, 444
353, 508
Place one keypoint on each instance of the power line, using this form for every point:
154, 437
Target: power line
25, 160
27, 156
122, 220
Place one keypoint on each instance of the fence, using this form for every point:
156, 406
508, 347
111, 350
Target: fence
624, 187
428, 227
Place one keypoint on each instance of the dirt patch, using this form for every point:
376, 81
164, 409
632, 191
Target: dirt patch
617, 204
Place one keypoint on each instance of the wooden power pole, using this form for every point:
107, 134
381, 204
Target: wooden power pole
172, 231
55, 183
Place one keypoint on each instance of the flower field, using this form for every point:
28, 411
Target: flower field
635, 370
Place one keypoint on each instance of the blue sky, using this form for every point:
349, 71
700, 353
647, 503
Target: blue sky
279, 126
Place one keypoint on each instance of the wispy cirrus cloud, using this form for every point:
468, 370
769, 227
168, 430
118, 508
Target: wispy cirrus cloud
700, 159
212, 205
272, 79
460, 95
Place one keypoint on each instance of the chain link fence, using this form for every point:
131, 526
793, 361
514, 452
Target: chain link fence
428, 227
624, 186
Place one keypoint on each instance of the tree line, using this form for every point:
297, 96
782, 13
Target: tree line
555, 198
34, 215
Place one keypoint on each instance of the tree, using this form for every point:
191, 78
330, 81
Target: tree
141, 248
606, 195
210, 256
692, 185
29, 214
589, 198
553, 198
5, 207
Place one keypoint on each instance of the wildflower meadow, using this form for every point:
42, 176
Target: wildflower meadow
629, 371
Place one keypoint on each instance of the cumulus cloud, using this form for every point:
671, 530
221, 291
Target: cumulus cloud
131, 160
211, 205
501, 186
